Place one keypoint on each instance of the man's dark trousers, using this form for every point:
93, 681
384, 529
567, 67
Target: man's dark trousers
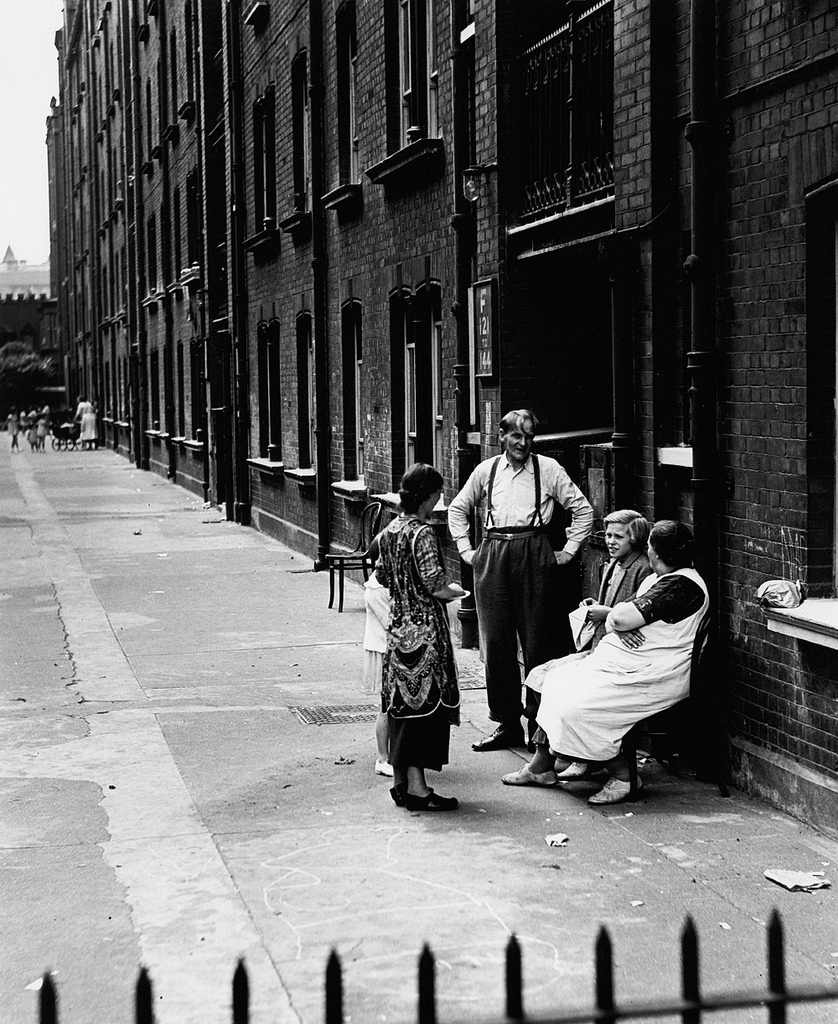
517, 593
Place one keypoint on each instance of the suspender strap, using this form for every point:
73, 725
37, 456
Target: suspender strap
490, 519
536, 472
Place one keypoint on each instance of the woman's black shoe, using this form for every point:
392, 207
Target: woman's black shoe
398, 793
431, 802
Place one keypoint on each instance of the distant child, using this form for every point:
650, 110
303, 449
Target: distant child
41, 431
377, 604
13, 427
32, 435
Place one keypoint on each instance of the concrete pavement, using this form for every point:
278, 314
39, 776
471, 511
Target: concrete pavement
162, 804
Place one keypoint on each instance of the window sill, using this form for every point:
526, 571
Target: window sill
171, 133
390, 500
192, 444
412, 166
306, 479
187, 111
264, 243
298, 225
816, 621
591, 223
682, 455
346, 200
267, 467
257, 16
190, 277
151, 301
353, 492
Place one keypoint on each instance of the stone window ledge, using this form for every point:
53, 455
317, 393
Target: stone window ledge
305, 478
390, 500
268, 467
676, 455
352, 491
816, 621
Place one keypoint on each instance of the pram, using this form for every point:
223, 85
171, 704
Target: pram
65, 433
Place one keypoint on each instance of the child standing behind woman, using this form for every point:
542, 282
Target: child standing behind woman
377, 604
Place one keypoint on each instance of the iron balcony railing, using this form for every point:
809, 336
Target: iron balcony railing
691, 1006
569, 94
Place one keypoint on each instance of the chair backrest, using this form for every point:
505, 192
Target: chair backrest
699, 643
370, 522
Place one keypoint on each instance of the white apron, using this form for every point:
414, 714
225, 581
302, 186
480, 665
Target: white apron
589, 701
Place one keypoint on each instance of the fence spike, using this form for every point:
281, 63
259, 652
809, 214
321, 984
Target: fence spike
604, 981
241, 995
427, 993
334, 990
776, 969
48, 1001
143, 999
514, 985
690, 983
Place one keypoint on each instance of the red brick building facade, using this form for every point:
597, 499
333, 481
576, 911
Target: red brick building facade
349, 235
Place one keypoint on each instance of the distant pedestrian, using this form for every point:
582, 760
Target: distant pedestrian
420, 691
13, 427
41, 432
32, 436
86, 418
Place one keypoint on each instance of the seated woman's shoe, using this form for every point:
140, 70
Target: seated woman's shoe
614, 792
525, 777
431, 802
398, 793
575, 770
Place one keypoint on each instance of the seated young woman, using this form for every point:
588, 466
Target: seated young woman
640, 667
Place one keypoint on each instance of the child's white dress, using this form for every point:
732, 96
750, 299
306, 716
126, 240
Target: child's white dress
377, 603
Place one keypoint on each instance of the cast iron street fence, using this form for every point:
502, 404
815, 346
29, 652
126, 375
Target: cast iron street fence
690, 1007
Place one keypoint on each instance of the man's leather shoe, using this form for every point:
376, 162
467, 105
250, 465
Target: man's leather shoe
502, 738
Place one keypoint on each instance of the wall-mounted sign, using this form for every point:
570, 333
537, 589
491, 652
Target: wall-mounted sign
485, 328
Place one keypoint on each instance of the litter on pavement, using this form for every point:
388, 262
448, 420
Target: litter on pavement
797, 881
558, 839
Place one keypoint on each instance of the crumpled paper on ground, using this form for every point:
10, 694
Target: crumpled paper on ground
797, 881
557, 839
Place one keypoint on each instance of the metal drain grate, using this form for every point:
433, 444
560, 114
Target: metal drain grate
338, 714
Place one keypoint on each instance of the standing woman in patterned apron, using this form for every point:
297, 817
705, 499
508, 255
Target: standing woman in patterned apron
419, 685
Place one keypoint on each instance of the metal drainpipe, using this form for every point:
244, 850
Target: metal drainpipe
463, 223
166, 249
622, 261
319, 265
95, 309
140, 440
239, 319
699, 266
197, 85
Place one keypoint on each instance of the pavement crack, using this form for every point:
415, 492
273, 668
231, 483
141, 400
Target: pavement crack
65, 644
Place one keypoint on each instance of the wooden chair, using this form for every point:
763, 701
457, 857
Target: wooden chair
359, 557
692, 726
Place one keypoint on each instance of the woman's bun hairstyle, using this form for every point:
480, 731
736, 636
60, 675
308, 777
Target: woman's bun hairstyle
673, 543
418, 484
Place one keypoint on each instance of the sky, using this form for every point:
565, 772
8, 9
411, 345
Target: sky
28, 80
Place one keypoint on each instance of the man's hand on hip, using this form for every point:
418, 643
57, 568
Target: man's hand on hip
562, 557
468, 556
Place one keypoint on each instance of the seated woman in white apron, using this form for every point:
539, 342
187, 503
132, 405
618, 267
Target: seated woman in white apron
641, 667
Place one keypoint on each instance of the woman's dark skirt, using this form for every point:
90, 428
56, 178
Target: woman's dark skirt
420, 742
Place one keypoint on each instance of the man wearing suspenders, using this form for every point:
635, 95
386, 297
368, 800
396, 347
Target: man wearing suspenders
516, 575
